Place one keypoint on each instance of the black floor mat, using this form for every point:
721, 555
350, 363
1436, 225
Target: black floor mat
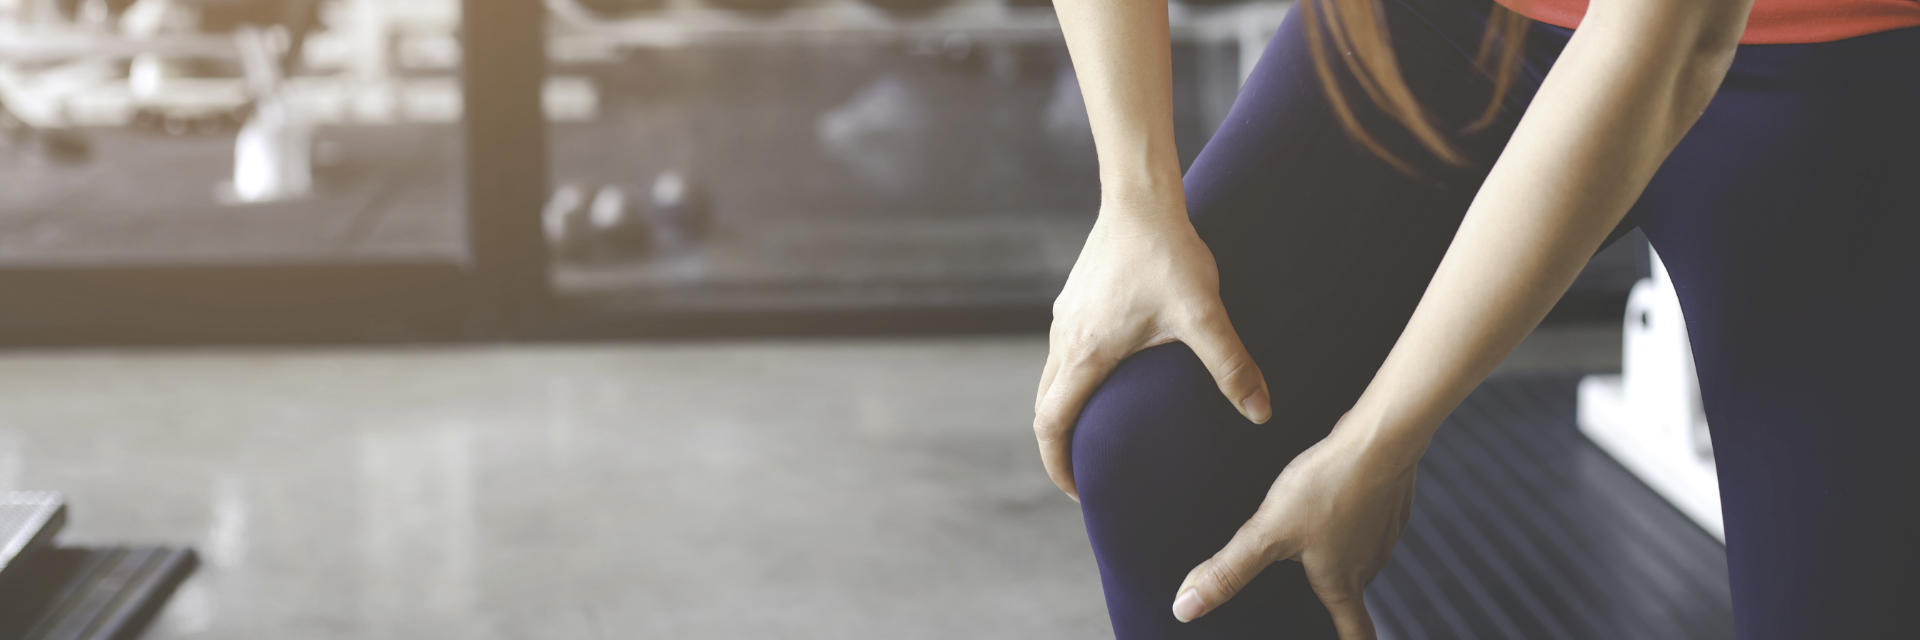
1523, 529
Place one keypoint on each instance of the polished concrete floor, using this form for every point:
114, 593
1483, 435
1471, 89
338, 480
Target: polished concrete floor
791, 489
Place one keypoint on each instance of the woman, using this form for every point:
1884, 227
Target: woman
1397, 197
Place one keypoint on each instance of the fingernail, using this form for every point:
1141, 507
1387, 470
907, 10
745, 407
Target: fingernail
1188, 606
1257, 407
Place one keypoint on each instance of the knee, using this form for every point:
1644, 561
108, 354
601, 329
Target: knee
1167, 472
1162, 461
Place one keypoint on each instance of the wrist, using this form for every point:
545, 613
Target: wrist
1142, 191
1375, 437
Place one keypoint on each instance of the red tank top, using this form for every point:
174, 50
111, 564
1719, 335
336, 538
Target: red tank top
1772, 21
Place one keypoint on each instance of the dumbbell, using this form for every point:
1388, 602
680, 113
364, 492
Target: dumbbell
594, 225
679, 210
608, 223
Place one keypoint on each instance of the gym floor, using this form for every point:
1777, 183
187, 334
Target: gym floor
741, 489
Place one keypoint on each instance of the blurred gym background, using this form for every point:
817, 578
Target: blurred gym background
641, 318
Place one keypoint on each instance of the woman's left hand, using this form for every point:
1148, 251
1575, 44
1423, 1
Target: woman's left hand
1338, 509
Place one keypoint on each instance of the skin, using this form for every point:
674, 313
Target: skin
1631, 81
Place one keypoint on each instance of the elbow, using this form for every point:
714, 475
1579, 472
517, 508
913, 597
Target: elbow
1699, 75
1691, 73
1708, 53
1713, 47
1719, 27
1683, 50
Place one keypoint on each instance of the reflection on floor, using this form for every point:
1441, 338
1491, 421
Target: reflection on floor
805, 489
732, 490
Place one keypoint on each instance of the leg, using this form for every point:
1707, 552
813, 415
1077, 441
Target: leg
1787, 218
1323, 252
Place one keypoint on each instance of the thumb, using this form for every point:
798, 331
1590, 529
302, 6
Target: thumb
1211, 336
1218, 579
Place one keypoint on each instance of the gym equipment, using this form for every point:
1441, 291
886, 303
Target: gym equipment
52, 592
273, 152
882, 133
619, 229
75, 10
272, 158
602, 226
28, 522
908, 8
756, 8
680, 211
50, 145
168, 122
684, 23
1650, 417
564, 218
615, 9
225, 16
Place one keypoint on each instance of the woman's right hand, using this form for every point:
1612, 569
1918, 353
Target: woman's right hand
1144, 278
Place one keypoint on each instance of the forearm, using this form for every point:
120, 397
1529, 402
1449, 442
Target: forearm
1624, 91
1123, 61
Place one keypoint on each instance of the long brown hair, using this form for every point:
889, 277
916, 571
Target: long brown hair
1355, 32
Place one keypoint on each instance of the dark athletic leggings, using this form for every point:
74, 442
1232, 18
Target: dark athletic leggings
1789, 219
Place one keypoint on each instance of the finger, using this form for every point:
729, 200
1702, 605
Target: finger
1046, 379
1076, 379
1211, 336
1217, 580
1349, 609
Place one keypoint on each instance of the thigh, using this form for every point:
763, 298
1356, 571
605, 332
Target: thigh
1323, 250
1786, 219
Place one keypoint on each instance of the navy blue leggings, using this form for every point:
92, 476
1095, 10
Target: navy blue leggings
1788, 218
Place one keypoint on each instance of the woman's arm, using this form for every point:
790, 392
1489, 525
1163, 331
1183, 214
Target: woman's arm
1144, 277
1628, 85
1124, 63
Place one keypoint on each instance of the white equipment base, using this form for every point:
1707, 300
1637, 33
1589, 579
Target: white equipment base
1650, 416
1672, 471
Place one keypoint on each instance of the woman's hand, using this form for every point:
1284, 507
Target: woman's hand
1338, 508
1144, 278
